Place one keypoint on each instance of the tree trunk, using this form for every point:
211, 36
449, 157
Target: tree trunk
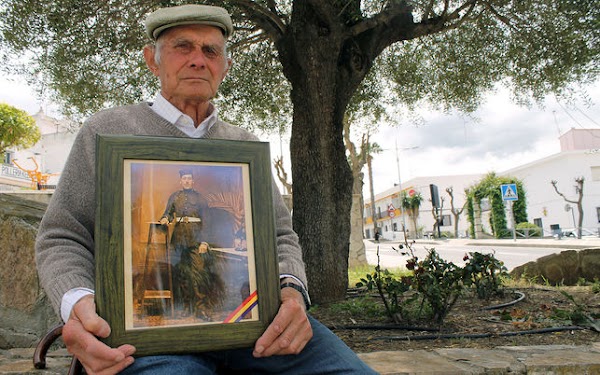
358, 255
311, 55
456, 217
580, 220
322, 198
372, 193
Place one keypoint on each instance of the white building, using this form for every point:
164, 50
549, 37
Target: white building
391, 219
45, 159
579, 157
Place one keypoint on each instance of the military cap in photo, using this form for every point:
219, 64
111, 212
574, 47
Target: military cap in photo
185, 172
192, 14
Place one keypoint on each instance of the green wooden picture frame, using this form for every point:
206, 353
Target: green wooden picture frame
131, 176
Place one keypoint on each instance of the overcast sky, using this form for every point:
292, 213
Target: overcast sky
502, 136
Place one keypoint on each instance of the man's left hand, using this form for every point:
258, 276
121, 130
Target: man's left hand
290, 330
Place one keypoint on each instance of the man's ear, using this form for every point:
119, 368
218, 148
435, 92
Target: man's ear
149, 52
227, 67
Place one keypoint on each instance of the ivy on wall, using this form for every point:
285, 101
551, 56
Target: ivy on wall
489, 187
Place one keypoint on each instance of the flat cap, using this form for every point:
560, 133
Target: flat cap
191, 14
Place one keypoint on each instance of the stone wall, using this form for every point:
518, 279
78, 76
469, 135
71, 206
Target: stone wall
564, 268
24, 310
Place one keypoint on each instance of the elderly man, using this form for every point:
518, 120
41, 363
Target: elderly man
190, 60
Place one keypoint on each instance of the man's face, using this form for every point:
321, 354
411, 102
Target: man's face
192, 63
187, 181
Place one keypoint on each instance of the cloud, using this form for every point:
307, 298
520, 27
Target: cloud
501, 135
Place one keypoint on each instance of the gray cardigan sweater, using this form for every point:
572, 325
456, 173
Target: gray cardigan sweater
65, 240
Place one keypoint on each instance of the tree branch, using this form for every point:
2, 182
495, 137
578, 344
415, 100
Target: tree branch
252, 39
554, 182
428, 9
385, 17
446, 7
272, 6
438, 24
349, 144
282, 175
502, 18
266, 18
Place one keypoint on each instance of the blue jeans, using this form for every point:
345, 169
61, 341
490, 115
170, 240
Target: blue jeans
325, 353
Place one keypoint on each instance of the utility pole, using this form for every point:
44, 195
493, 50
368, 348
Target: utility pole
400, 183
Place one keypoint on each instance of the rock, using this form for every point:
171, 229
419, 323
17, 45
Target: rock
564, 268
25, 311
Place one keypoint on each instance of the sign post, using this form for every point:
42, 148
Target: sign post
509, 194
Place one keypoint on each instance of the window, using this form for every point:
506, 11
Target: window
395, 227
446, 220
598, 213
595, 173
8, 157
538, 221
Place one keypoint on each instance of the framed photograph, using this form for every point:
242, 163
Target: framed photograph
185, 243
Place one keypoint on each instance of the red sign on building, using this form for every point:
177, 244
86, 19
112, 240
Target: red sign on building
391, 210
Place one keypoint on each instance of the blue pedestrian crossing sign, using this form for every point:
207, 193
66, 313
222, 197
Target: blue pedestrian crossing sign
509, 192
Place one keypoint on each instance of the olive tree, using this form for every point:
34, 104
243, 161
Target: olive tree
300, 62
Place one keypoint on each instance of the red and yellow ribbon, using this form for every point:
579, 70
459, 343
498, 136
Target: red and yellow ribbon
243, 309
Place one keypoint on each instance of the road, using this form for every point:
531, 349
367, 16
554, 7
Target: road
512, 256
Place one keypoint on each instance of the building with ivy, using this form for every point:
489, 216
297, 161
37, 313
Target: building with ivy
579, 156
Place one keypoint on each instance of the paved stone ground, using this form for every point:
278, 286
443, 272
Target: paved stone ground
553, 359
557, 359
20, 361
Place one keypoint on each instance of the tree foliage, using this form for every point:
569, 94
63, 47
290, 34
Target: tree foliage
411, 204
451, 55
322, 58
17, 129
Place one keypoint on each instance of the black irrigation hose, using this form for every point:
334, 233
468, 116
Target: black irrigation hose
382, 327
478, 335
496, 307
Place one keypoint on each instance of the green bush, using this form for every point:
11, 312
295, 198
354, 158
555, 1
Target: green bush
437, 282
485, 273
391, 290
529, 230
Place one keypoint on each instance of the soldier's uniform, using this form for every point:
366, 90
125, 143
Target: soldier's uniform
198, 285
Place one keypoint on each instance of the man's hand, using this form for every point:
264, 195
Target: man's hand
164, 221
290, 330
79, 335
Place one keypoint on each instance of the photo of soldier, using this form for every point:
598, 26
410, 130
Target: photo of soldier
198, 285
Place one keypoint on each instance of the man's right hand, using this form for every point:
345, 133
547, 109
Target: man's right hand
164, 221
80, 334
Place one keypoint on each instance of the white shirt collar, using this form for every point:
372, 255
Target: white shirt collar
183, 122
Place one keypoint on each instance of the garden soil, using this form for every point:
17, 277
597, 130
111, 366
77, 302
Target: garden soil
533, 316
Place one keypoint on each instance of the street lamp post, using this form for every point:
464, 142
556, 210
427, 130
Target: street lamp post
403, 220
